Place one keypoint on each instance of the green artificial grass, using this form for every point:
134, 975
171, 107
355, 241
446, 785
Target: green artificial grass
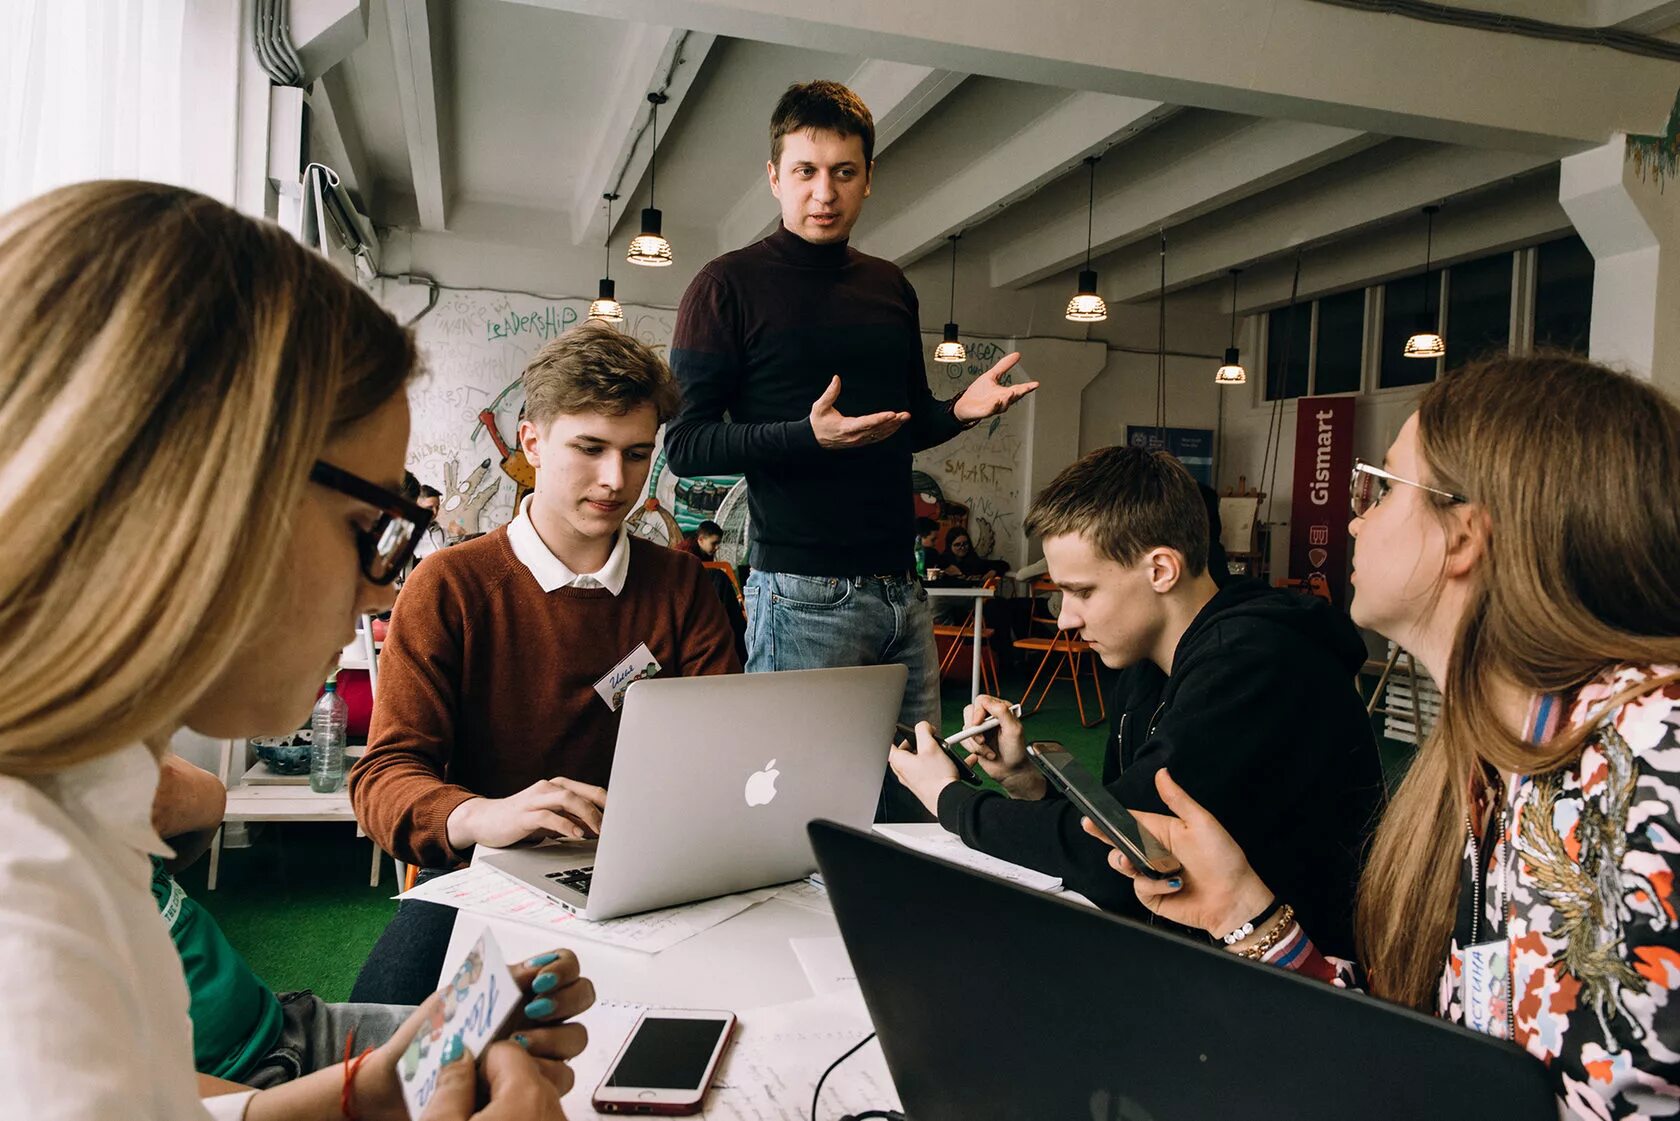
297, 902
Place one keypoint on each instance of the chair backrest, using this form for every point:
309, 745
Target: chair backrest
1044, 608
728, 570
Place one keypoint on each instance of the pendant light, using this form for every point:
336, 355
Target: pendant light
1426, 342
952, 349
605, 305
1087, 306
649, 247
1231, 371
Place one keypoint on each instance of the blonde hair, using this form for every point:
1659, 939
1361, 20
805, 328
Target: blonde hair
595, 368
169, 372
1576, 468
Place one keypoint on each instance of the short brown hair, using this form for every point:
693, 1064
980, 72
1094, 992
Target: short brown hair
1125, 501
595, 368
822, 104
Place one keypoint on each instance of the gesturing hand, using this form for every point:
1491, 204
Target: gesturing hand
556, 807
1217, 891
987, 396
836, 430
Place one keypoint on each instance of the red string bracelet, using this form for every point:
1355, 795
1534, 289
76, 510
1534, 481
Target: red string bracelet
346, 1097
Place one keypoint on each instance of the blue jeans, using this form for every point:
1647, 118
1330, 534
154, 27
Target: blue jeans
823, 622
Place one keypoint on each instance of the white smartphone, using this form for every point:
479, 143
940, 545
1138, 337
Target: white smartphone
667, 1064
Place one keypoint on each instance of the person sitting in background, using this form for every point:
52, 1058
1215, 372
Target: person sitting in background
703, 542
960, 563
252, 421
1519, 541
242, 1031
1246, 691
464, 751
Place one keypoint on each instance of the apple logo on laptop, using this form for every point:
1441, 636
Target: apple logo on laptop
761, 785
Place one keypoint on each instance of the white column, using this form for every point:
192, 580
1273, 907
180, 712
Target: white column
1063, 368
1630, 226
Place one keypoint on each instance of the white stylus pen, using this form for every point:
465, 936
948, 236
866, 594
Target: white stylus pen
981, 728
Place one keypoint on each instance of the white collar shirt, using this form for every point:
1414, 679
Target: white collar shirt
96, 1022
551, 572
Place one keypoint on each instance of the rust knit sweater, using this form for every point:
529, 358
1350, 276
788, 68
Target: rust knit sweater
487, 683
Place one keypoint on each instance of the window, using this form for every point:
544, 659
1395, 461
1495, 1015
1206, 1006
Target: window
1288, 339
1478, 310
1339, 350
1403, 314
1563, 286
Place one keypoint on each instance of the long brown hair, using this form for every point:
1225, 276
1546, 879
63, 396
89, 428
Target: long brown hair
1577, 469
169, 372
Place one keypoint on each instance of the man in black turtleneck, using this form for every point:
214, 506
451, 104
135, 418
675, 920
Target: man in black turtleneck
813, 353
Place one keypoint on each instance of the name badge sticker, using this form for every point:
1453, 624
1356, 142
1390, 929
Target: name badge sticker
638, 664
1486, 979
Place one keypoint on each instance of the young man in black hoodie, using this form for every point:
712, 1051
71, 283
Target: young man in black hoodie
1247, 691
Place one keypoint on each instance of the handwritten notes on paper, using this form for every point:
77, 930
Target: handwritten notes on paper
485, 891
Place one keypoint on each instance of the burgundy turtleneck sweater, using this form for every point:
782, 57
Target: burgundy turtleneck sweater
759, 334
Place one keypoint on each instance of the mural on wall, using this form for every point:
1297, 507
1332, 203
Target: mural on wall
978, 475
468, 401
1660, 155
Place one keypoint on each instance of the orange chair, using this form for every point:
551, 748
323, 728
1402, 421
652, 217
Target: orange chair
1065, 654
728, 570
961, 637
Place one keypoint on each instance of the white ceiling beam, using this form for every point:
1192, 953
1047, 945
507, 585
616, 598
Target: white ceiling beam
410, 24
1192, 173
898, 95
1011, 169
1290, 59
616, 157
1387, 189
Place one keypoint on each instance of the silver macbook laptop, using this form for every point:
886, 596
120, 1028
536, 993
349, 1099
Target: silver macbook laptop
713, 782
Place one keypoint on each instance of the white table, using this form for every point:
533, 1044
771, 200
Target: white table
979, 594
742, 963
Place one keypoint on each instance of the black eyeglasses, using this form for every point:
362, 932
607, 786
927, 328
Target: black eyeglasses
386, 547
1370, 485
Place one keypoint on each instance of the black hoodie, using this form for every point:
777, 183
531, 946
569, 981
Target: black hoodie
1262, 724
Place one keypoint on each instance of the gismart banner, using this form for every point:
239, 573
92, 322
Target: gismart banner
1318, 536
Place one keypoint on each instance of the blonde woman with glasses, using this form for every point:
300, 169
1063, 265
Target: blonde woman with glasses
204, 430
1522, 540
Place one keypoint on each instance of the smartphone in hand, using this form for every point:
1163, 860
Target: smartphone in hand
964, 771
1148, 855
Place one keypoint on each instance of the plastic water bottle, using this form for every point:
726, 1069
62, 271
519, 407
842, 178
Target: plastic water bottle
326, 754
921, 560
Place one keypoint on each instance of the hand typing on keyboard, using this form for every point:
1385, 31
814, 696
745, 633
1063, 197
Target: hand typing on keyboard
558, 807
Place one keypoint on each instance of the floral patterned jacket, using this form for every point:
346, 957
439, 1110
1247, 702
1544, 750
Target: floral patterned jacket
1591, 925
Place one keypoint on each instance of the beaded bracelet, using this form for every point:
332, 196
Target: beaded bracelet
1251, 925
1285, 922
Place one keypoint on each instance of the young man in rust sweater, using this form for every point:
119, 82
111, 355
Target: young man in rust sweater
493, 723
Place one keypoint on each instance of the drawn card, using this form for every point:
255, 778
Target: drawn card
638, 664
477, 1002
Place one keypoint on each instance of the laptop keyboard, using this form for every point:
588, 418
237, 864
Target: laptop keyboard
575, 878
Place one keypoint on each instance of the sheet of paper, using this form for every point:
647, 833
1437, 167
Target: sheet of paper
770, 1069
1237, 515
485, 891
825, 963
809, 894
932, 840
477, 1001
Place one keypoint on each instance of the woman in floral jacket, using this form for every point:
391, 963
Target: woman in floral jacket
1522, 540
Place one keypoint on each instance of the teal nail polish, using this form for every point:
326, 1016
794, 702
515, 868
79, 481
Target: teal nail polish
1175, 883
522, 1040
539, 1008
544, 982
543, 959
452, 1050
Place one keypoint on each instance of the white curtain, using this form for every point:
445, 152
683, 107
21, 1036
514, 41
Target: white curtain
89, 89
